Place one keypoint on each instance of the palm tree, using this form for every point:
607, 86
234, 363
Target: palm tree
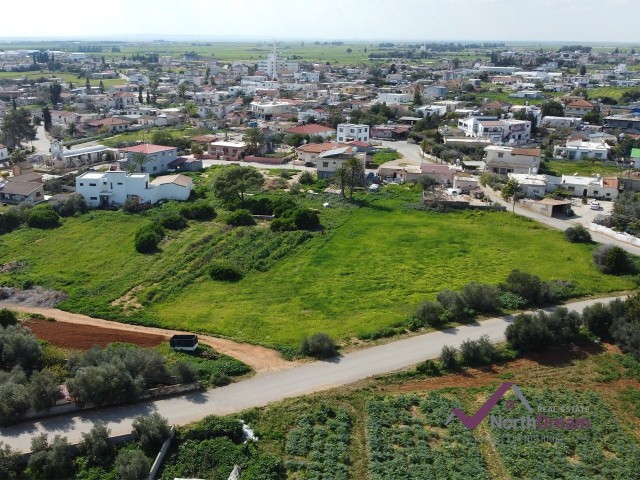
341, 179
140, 159
255, 139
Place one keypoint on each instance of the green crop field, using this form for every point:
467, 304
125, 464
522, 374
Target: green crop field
63, 77
394, 427
376, 261
583, 167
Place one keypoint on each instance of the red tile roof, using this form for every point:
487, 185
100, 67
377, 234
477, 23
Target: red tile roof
319, 147
146, 148
309, 129
581, 103
532, 152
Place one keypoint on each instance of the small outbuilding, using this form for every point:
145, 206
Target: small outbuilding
187, 343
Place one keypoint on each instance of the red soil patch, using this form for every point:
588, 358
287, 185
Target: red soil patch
83, 337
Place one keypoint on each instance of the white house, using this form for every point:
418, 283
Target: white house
531, 185
113, 188
157, 157
507, 160
597, 187
348, 132
392, 98
576, 149
514, 132
560, 122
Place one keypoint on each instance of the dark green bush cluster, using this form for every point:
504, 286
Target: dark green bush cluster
7, 317
478, 352
69, 207
116, 374
134, 205
43, 216
306, 178
532, 333
259, 205
172, 220
19, 394
319, 345
225, 270
298, 219
577, 234
198, 210
148, 237
613, 260
239, 218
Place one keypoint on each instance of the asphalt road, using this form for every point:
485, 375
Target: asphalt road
270, 387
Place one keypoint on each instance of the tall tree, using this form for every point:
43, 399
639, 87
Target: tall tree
355, 169
140, 88
55, 90
583, 70
101, 86
341, 179
139, 159
148, 98
234, 182
87, 85
255, 139
417, 98
511, 192
552, 108
46, 118
17, 127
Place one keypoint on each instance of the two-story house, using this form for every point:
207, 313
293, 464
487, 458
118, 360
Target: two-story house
155, 158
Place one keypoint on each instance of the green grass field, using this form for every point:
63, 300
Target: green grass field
371, 268
64, 77
583, 167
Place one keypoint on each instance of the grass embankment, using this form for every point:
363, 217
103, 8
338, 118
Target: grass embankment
376, 261
583, 167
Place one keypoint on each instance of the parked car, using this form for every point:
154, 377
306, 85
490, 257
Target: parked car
595, 205
309, 164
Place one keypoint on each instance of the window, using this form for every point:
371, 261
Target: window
93, 198
111, 185
500, 155
92, 184
155, 168
325, 164
38, 194
595, 192
119, 183
81, 184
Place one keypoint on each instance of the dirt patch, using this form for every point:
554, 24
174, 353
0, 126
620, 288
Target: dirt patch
129, 301
261, 359
11, 266
34, 297
83, 337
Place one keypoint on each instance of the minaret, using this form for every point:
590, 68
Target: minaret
274, 62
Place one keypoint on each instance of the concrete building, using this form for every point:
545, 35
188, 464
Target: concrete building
506, 160
267, 110
15, 192
310, 152
157, 158
273, 66
348, 132
596, 187
331, 160
228, 150
114, 188
560, 122
498, 131
628, 123
576, 149
312, 129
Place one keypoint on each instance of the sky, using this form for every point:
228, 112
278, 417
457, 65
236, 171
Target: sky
595, 21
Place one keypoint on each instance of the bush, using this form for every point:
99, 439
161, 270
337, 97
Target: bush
478, 352
51, 461
150, 432
173, 221
224, 270
612, 260
200, 210
259, 206
627, 336
283, 206
132, 465
577, 234
480, 297
448, 359
455, 308
213, 427
533, 333
219, 379
148, 237
428, 367
529, 287
319, 345
104, 385
95, 445
285, 224
14, 401
7, 317
598, 319
429, 314
43, 217
306, 178
240, 217
306, 219
133, 205
69, 207
18, 347
44, 390
512, 301
9, 221
184, 372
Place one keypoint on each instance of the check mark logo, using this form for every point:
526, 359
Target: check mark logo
473, 421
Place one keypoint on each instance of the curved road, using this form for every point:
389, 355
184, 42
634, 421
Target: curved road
270, 387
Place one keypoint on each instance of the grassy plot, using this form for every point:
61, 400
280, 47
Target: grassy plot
583, 167
373, 270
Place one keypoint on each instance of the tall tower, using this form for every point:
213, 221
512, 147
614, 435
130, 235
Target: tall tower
272, 63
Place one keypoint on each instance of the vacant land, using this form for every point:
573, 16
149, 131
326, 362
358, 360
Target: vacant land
83, 337
376, 261
583, 167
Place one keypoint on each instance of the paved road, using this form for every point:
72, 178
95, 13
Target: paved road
562, 224
41, 141
271, 387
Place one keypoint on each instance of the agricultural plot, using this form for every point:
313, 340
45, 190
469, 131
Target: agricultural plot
603, 451
318, 446
407, 440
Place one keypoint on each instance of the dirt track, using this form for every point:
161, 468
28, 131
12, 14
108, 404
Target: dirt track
261, 359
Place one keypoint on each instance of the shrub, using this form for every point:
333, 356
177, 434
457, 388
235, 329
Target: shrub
319, 345
532, 333
200, 210
240, 217
185, 372
7, 317
148, 237
306, 178
285, 224
14, 401
150, 432
283, 206
44, 390
173, 221
104, 385
429, 313
9, 221
214, 426
448, 359
612, 259
134, 205
259, 206
480, 297
52, 461
219, 379
627, 336
95, 445
72, 205
306, 219
428, 367
132, 465
18, 347
455, 308
43, 217
478, 352
512, 301
224, 270
529, 287
577, 234
598, 319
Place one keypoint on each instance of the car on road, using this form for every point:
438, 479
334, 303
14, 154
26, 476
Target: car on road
309, 164
595, 205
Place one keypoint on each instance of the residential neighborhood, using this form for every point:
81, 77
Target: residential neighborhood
274, 240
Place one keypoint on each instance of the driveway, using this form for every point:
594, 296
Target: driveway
271, 387
41, 142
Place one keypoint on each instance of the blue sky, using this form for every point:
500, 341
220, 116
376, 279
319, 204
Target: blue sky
598, 21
